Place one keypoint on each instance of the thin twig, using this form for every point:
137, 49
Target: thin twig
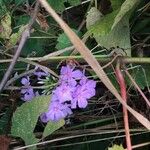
25, 36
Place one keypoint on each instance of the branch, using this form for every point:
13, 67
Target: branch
24, 37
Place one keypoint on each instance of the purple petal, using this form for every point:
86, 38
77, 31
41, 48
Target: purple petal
28, 97
82, 103
25, 81
44, 118
23, 91
77, 74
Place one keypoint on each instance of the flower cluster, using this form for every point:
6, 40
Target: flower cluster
27, 91
73, 91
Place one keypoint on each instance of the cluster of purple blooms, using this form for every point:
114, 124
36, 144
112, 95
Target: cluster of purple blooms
73, 91
27, 91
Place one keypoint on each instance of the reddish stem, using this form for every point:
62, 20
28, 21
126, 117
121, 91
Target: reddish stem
122, 84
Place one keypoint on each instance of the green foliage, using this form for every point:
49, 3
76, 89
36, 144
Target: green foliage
127, 7
115, 4
141, 76
22, 20
114, 26
18, 2
63, 41
5, 26
3, 9
26, 116
4, 121
93, 16
14, 38
102, 26
116, 147
59, 5
52, 126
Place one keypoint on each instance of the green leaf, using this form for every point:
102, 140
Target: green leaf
16, 36
118, 37
22, 20
18, 2
59, 5
74, 2
5, 26
102, 26
93, 15
63, 41
141, 76
4, 120
116, 4
52, 126
127, 7
3, 9
116, 147
26, 116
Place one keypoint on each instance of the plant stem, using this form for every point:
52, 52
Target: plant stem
100, 58
122, 84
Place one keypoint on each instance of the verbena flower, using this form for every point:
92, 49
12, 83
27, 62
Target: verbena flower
25, 81
84, 91
69, 75
64, 92
56, 112
40, 73
27, 91
73, 91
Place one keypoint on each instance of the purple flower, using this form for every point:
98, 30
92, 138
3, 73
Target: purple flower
70, 75
39, 73
25, 81
28, 94
83, 92
64, 93
27, 90
56, 112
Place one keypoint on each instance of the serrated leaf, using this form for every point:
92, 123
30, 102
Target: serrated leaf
5, 26
102, 26
25, 118
118, 37
52, 126
116, 147
93, 15
127, 7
